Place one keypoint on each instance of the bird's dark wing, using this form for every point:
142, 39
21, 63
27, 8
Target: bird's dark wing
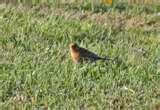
88, 55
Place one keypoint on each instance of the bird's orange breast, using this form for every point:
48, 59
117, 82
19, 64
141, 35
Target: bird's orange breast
75, 55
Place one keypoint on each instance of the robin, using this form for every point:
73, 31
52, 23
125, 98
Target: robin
79, 54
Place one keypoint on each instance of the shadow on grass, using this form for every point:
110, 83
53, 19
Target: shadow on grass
120, 7
118, 62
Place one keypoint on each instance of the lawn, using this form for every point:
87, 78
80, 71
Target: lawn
36, 71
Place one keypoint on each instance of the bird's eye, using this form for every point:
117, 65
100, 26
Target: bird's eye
73, 46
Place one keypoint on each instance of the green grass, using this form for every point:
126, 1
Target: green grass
36, 70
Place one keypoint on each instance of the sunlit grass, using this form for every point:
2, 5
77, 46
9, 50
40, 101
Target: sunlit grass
36, 71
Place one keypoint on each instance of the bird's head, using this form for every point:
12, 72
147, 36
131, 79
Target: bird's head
73, 46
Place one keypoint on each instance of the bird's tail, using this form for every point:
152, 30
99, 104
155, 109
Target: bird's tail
105, 58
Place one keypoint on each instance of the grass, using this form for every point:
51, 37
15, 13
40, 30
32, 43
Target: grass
36, 70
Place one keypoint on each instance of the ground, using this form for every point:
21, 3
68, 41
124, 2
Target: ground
36, 70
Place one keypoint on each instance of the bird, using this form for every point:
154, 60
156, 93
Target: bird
79, 54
